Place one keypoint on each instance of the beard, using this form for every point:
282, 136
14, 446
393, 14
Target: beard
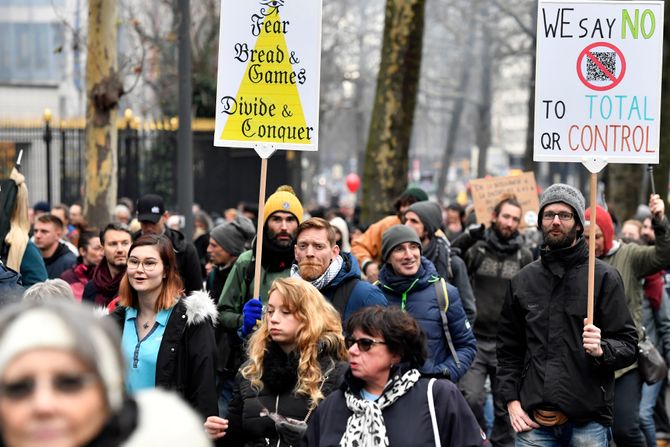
309, 271
282, 243
563, 240
503, 234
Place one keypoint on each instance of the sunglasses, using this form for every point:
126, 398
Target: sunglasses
364, 344
62, 383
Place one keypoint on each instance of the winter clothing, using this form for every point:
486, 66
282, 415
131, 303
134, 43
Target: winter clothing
78, 276
407, 420
32, 267
430, 214
541, 359
150, 208
417, 193
62, 260
188, 262
216, 280
417, 295
396, 235
604, 221
186, 359
248, 425
284, 199
234, 236
363, 294
341, 226
102, 288
560, 192
367, 247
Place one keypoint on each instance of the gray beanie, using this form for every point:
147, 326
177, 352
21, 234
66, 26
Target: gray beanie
234, 236
560, 192
430, 214
395, 236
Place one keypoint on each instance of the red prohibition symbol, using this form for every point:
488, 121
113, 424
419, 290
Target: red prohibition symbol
614, 80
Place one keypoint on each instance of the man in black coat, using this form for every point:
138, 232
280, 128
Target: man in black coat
152, 216
555, 371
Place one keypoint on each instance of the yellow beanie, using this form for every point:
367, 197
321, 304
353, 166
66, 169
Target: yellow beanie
284, 199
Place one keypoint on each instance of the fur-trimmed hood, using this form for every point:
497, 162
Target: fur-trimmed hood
200, 307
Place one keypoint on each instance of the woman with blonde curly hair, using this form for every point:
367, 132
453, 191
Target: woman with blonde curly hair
296, 358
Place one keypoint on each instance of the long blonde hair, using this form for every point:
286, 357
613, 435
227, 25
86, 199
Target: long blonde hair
320, 329
17, 237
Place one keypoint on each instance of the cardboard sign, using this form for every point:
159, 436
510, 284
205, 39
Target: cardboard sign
598, 81
487, 192
268, 74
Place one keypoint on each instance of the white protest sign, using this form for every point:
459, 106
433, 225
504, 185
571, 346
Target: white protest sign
268, 74
598, 81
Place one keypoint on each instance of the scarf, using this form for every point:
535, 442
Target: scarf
275, 258
104, 283
365, 427
327, 276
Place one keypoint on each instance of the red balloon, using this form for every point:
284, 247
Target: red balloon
353, 182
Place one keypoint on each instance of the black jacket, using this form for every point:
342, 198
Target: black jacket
246, 425
541, 358
188, 262
186, 359
408, 421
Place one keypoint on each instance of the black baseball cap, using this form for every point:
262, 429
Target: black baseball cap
150, 208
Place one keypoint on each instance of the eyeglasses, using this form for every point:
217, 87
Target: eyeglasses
364, 344
148, 264
61, 383
563, 215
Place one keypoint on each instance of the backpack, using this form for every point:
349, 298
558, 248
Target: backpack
342, 294
443, 303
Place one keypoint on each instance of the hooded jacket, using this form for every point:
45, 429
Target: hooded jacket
420, 300
540, 352
62, 260
186, 359
363, 294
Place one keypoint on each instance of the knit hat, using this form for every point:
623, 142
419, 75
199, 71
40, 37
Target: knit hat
42, 206
419, 193
604, 221
395, 236
58, 324
284, 199
430, 214
560, 192
234, 236
343, 228
150, 208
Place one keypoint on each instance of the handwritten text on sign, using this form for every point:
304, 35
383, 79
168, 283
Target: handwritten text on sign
487, 192
598, 80
268, 81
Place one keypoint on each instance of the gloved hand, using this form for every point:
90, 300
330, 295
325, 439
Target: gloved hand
252, 311
476, 231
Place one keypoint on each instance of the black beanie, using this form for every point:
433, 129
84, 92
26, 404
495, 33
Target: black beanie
395, 236
430, 214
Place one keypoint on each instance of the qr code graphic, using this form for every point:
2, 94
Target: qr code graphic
607, 59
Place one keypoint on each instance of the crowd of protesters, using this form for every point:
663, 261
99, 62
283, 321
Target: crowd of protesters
423, 328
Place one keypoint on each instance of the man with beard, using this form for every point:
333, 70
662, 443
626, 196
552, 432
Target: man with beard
426, 219
633, 262
104, 284
556, 372
492, 262
336, 274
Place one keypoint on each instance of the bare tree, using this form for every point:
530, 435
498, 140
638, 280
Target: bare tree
386, 160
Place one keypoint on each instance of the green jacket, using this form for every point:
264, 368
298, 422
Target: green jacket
239, 289
634, 262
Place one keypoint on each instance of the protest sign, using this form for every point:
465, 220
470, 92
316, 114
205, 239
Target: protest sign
487, 192
268, 74
598, 81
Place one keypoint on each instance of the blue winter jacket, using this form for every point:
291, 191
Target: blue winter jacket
363, 294
421, 302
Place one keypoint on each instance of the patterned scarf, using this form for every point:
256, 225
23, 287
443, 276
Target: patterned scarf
366, 428
325, 279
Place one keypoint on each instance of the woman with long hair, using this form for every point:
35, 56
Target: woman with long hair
168, 339
296, 358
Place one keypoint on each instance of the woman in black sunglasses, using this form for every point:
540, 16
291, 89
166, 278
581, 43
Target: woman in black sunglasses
62, 384
386, 401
